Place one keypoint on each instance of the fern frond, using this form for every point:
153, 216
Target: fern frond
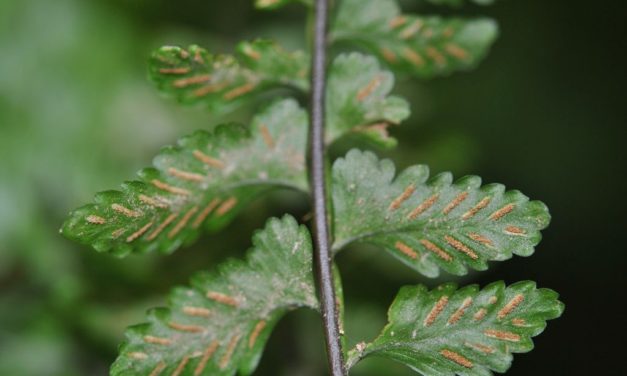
219, 325
447, 332
424, 46
202, 182
431, 223
358, 100
223, 82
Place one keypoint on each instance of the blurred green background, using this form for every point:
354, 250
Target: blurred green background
544, 113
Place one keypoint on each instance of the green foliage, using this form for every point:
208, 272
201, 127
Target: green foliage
202, 182
358, 100
223, 82
418, 45
220, 325
447, 332
431, 223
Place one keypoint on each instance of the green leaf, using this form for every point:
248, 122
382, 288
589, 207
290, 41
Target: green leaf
431, 223
223, 82
204, 180
274, 4
220, 325
446, 332
357, 94
423, 46
358, 100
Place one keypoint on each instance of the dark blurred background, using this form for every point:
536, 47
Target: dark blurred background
544, 113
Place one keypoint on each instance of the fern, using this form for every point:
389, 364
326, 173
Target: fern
431, 223
222, 82
423, 46
220, 324
467, 331
202, 182
358, 103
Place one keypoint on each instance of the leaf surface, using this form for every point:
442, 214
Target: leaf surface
431, 223
358, 100
446, 332
219, 325
424, 46
202, 182
223, 82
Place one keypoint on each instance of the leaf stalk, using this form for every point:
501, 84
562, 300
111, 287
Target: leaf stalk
316, 151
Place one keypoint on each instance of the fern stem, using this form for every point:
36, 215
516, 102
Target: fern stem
318, 183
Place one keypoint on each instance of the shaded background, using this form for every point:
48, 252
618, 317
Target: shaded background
544, 114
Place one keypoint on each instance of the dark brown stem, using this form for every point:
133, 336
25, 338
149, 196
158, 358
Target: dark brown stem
317, 176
